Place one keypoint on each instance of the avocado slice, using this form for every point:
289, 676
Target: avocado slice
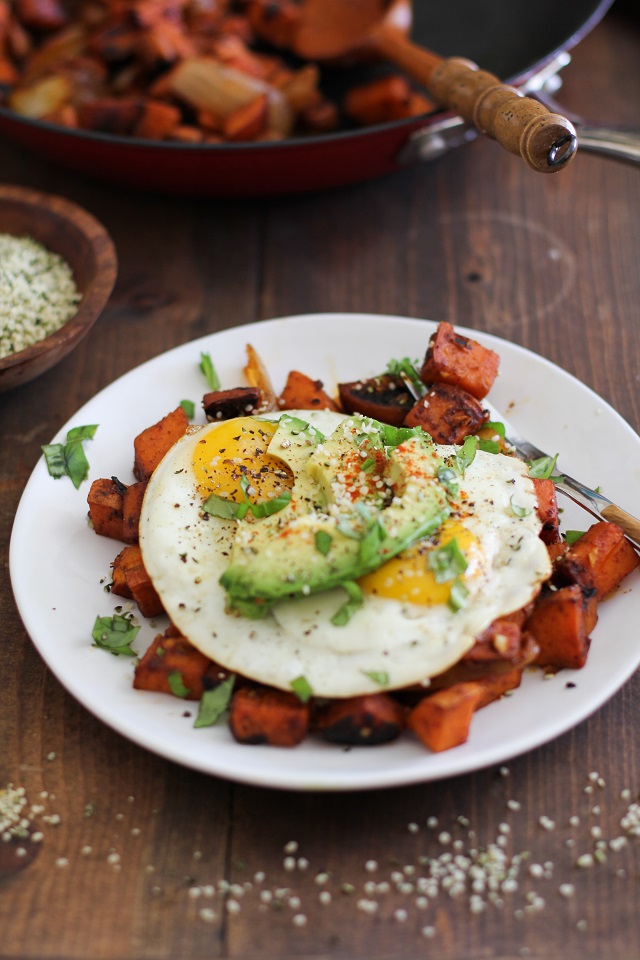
357, 501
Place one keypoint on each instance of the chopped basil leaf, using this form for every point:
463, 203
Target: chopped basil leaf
54, 459
214, 703
407, 367
69, 459
496, 426
449, 480
76, 461
302, 688
458, 595
209, 371
572, 535
394, 436
87, 432
221, 507
268, 507
176, 685
542, 468
447, 562
189, 408
466, 454
371, 542
354, 602
323, 542
115, 634
378, 676
520, 511
488, 446
368, 465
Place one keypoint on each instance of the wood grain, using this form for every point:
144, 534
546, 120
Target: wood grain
135, 864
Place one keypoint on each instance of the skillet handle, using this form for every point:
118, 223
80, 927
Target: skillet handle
545, 140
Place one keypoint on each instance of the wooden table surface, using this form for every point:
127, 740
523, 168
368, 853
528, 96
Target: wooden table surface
136, 852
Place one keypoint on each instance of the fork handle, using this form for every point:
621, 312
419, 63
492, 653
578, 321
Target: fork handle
624, 520
601, 507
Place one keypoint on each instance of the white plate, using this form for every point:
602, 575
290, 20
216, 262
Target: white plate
58, 565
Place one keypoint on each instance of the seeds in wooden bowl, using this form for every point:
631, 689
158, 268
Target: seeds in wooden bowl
38, 293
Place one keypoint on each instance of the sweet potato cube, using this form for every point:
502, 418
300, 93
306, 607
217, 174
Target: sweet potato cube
599, 560
384, 398
137, 580
152, 444
158, 120
119, 584
547, 510
248, 121
170, 656
452, 358
365, 720
234, 402
302, 393
443, 719
448, 413
266, 715
495, 685
379, 101
561, 622
105, 499
131, 507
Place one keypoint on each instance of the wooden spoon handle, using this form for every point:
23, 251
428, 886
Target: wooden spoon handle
545, 140
627, 522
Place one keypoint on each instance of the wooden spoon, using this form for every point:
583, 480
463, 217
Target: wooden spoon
328, 30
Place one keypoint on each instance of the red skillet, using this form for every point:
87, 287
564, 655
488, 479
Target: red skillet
512, 38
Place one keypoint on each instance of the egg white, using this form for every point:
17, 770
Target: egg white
387, 644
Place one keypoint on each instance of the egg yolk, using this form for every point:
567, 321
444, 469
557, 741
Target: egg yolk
409, 579
235, 450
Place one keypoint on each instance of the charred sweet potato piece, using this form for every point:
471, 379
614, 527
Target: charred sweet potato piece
111, 114
599, 560
452, 358
236, 402
448, 413
266, 715
105, 502
384, 99
257, 375
302, 393
442, 720
46, 15
129, 565
171, 663
494, 686
157, 120
151, 445
131, 507
248, 121
363, 721
500, 641
119, 584
547, 510
384, 398
561, 622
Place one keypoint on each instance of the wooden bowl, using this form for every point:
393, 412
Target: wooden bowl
77, 237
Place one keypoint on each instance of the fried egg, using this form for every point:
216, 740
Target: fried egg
407, 628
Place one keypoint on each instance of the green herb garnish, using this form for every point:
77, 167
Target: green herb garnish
209, 371
69, 459
447, 562
177, 686
302, 689
542, 468
378, 676
115, 634
215, 703
348, 609
572, 535
458, 595
466, 454
408, 368
519, 511
189, 408
323, 542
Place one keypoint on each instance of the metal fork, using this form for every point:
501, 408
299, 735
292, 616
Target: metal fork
597, 505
